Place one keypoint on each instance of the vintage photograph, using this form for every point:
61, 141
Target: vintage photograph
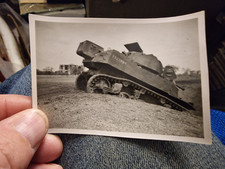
134, 78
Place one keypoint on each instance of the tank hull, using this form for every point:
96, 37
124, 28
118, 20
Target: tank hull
116, 64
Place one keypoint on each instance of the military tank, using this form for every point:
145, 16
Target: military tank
130, 74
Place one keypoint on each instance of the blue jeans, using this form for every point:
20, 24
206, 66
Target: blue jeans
96, 152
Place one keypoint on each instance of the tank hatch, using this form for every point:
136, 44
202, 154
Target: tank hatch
133, 47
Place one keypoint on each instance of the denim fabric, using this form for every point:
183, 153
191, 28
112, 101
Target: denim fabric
106, 152
19, 83
218, 124
98, 152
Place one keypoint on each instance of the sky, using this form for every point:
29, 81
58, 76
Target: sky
173, 43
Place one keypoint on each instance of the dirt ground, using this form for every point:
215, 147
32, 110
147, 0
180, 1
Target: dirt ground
68, 107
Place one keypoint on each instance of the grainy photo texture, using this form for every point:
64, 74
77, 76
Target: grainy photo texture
135, 78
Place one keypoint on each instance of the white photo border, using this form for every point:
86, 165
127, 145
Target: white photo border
200, 16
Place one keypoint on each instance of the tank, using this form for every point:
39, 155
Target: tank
131, 74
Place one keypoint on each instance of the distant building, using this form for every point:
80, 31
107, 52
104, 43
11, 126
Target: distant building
71, 69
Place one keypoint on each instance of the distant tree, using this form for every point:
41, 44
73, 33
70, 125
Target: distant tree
187, 71
48, 71
39, 72
175, 68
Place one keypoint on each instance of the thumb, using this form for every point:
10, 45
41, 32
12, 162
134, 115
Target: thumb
21, 135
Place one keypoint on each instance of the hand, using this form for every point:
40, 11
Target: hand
23, 139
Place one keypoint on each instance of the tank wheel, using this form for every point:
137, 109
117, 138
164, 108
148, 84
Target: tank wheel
126, 84
165, 103
124, 95
137, 94
98, 84
167, 106
162, 101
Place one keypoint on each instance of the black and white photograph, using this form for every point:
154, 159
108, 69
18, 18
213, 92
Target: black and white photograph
133, 78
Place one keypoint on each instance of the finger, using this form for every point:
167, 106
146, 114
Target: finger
11, 104
21, 134
44, 166
49, 150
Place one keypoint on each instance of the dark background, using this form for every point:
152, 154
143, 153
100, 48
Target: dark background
215, 31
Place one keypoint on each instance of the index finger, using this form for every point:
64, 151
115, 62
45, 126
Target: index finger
12, 104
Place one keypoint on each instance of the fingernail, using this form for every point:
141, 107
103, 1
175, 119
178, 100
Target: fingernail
33, 126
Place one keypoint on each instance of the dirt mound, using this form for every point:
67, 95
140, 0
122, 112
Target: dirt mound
68, 107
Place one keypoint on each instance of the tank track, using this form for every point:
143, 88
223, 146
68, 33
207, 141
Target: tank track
126, 88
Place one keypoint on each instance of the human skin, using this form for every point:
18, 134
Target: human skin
24, 140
